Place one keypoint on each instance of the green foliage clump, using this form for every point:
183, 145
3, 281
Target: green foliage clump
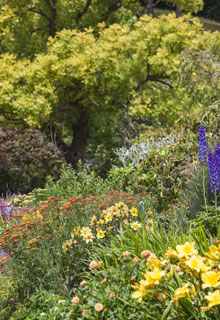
27, 158
43, 305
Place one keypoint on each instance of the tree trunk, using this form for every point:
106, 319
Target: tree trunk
76, 150
150, 9
178, 12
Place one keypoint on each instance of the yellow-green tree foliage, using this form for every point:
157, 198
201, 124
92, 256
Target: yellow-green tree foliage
70, 74
26, 25
118, 68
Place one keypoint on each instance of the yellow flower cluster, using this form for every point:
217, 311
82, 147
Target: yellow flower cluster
200, 275
31, 215
106, 221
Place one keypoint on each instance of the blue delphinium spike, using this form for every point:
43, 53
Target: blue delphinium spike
202, 144
214, 181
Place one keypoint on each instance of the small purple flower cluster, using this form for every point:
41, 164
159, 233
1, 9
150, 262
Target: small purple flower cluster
213, 160
6, 210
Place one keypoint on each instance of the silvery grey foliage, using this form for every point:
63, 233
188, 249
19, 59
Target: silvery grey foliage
140, 151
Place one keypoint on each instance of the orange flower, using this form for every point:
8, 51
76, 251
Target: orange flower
112, 294
83, 313
83, 283
103, 280
135, 260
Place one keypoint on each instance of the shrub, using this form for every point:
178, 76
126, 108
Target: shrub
27, 158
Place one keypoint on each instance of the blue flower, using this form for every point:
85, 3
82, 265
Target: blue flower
214, 178
202, 144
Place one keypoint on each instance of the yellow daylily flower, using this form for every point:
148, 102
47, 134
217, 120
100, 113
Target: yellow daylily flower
196, 263
108, 217
134, 212
100, 234
182, 292
135, 225
140, 290
186, 249
213, 252
213, 298
156, 262
172, 253
210, 279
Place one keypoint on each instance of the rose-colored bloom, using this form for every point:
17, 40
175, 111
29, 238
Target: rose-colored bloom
135, 260
112, 294
133, 278
105, 310
75, 300
145, 254
83, 283
93, 265
99, 263
126, 254
99, 307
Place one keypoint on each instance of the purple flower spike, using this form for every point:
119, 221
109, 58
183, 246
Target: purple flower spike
214, 181
202, 144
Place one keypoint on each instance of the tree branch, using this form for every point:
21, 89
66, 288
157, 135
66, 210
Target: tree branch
39, 12
95, 103
80, 14
7, 115
38, 29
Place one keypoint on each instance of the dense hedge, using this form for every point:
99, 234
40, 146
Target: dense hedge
27, 158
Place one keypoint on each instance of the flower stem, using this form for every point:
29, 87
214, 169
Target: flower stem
204, 191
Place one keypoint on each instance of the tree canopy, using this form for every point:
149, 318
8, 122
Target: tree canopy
84, 68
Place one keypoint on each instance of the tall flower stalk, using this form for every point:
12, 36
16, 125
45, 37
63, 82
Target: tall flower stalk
202, 144
203, 158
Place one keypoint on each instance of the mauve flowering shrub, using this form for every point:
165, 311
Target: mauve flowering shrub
26, 159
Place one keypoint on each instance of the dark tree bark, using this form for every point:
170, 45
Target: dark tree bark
150, 9
76, 150
178, 12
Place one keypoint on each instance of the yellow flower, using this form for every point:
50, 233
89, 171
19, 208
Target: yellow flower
93, 220
134, 212
86, 234
213, 298
135, 225
100, 234
213, 252
182, 292
140, 290
108, 217
172, 253
121, 206
149, 225
77, 230
157, 275
186, 249
101, 221
210, 279
197, 263
156, 262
